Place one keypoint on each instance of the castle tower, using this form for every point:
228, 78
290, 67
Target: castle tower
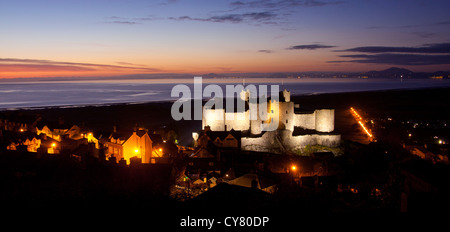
245, 95
255, 125
287, 95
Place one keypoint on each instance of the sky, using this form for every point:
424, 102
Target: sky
67, 38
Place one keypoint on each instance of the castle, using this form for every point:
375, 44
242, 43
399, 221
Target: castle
296, 128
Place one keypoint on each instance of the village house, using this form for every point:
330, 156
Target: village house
139, 143
206, 158
19, 126
33, 144
221, 139
64, 132
28, 139
202, 163
251, 180
55, 134
425, 154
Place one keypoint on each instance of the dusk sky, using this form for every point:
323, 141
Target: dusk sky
59, 38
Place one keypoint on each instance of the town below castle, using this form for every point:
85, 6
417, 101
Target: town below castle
330, 158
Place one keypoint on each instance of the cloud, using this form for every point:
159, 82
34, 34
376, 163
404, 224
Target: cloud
130, 21
120, 20
440, 23
423, 34
396, 59
426, 54
232, 18
309, 47
148, 18
259, 12
279, 4
444, 23
123, 22
425, 48
266, 51
128, 64
42, 68
11, 64
413, 26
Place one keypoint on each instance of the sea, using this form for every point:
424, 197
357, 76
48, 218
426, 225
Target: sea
78, 93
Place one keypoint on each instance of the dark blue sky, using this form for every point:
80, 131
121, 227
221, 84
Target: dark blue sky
109, 37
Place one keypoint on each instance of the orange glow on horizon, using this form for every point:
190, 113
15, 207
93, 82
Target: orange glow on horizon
5, 74
104, 67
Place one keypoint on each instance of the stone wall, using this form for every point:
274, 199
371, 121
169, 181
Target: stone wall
282, 141
266, 143
305, 121
214, 119
324, 121
239, 121
320, 120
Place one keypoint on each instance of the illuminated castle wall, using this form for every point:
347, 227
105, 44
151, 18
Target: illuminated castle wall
321, 120
318, 124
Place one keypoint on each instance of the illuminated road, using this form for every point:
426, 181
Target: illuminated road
360, 120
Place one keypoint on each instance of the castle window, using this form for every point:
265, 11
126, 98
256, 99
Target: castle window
287, 112
286, 121
272, 111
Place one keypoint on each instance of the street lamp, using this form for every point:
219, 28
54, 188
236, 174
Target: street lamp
293, 172
293, 168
